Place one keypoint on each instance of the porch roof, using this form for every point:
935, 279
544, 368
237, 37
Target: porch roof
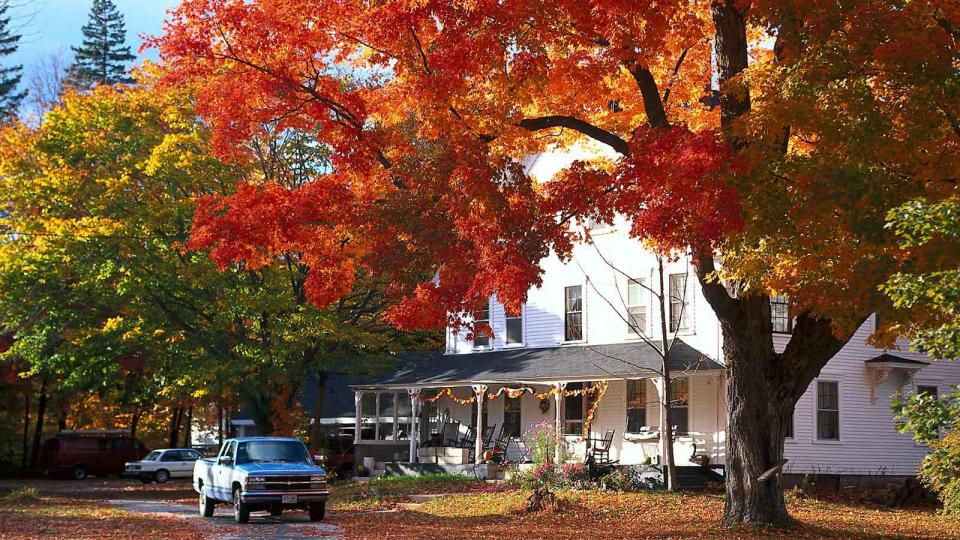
532, 365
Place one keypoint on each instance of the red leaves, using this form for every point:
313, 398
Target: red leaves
259, 223
673, 187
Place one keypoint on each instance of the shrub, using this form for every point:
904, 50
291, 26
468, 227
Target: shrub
575, 475
613, 481
940, 471
543, 442
21, 495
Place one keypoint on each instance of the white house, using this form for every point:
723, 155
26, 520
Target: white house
573, 333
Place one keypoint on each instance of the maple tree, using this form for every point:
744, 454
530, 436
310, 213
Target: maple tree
768, 138
106, 308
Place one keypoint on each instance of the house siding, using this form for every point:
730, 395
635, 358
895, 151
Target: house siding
868, 443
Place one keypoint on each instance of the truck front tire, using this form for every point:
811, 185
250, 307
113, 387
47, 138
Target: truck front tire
206, 504
241, 512
318, 510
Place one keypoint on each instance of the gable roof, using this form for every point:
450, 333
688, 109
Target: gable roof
887, 358
568, 363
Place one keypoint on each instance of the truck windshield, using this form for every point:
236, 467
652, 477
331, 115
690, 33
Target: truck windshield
272, 452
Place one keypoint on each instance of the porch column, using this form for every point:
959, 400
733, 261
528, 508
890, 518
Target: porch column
414, 418
357, 421
558, 401
479, 390
665, 438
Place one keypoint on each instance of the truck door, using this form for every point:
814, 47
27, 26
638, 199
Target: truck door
222, 472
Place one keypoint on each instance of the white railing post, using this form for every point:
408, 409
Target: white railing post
558, 401
479, 390
414, 417
357, 397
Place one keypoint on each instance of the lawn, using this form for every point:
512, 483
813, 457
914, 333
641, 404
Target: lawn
469, 509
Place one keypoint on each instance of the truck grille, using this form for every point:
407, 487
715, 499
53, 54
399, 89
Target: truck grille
291, 483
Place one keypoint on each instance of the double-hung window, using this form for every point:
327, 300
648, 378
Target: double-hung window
514, 329
828, 411
573, 313
481, 326
511, 417
679, 303
636, 307
780, 314
573, 411
636, 405
680, 406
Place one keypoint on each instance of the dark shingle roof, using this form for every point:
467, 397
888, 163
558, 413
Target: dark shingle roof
895, 359
588, 362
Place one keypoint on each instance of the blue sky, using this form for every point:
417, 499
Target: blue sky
51, 25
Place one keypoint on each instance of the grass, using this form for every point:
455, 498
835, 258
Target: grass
385, 492
21, 495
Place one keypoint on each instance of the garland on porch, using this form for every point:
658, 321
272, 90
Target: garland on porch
598, 390
601, 389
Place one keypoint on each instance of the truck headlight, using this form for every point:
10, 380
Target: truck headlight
255, 482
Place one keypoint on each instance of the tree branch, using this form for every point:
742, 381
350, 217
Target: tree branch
545, 122
652, 104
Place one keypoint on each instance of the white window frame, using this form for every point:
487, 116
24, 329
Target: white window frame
397, 394
583, 412
489, 321
523, 328
644, 305
816, 408
687, 301
583, 313
646, 398
782, 300
688, 407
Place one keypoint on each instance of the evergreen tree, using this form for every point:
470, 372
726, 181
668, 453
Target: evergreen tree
103, 56
10, 93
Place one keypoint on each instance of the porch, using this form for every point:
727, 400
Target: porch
457, 412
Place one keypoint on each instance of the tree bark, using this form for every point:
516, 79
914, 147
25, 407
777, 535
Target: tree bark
175, 416
38, 428
24, 458
188, 429
134, 423
316, 430
220, 421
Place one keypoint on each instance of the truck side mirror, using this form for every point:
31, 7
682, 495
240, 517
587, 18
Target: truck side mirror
225, 460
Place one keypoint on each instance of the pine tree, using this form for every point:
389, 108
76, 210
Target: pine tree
10, 93
103, 56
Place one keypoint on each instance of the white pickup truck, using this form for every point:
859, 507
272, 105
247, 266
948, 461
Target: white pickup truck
261, 473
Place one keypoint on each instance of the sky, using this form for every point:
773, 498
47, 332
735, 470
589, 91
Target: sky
49, 26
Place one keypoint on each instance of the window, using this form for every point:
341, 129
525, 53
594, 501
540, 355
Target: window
384, 416
679, 303
789, 430
680, 406
573, 411
511, 417
828, 411
481, 328
780, 314
515, 329
931, 391
636, 405
171, 455
636, 307
573, 313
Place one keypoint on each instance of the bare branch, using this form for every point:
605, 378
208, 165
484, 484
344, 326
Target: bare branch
545, 122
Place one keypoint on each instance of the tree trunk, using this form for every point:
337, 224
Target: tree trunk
188, 428
666, 423
134, 423
175, 416
756, 423
220, 421
38, 428
316, 430
24, 458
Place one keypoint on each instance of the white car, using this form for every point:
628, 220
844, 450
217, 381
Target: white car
162, 465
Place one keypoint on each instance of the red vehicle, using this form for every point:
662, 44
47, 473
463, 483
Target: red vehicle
81, 453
